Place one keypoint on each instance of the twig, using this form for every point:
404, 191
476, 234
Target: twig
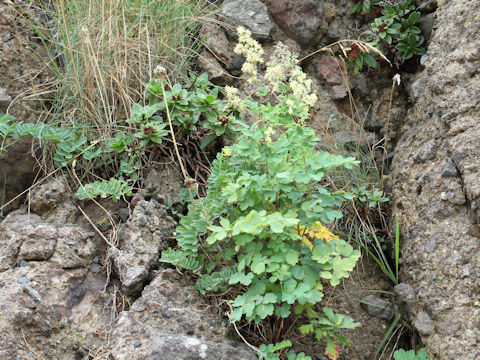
254, 348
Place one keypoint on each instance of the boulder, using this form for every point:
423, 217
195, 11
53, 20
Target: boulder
435, 187
252, 14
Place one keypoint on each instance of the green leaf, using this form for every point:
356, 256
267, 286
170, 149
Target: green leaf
283, 311
236, 315
414, 18
241, 278
291, 257
264, 310
356, 8
258, 267
321, 253
207, 140
331, 350
370, 61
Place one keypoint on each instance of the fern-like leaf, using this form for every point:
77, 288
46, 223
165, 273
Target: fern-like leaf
215, 281
114, 187
178, 259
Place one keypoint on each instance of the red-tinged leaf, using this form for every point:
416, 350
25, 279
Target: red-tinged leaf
332, 350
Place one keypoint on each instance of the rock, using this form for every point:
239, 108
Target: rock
406, 298
431, 244
163, 184
417, 88
352, 140
48, 195
40, 245
424, 324
75, 247
378, 307
141, 239
170, 321
71, 306
426, 6
440, 249
238, 61
405, 293
5, 100
216, 41
251, 14
449, 327
207, 63
328, 71
426, 152
426, 26
134, 279
449, 170
299, 19
22, 67
15, 229
338, 92
187, 347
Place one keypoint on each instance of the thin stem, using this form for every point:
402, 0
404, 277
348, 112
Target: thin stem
266, 158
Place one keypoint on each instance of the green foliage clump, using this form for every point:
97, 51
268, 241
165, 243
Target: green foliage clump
260, 230
410, 355
190, 107
394, 29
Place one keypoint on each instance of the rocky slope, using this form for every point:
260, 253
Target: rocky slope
69, 294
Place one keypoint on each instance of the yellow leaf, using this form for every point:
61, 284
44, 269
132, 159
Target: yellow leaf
308, 243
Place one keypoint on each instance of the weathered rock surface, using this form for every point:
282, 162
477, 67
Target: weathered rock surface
435, 187
299, 19
50, 312
209, 64
216, 41
251, 14
170, 321
141, 240
57, 301
328, 70
5, 100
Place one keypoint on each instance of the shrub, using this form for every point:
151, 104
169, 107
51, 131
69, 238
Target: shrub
262, 228
394, 29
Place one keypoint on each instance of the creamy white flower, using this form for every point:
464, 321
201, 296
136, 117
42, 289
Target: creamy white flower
252, 51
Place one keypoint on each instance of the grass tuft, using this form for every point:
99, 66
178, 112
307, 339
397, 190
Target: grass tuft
101, 52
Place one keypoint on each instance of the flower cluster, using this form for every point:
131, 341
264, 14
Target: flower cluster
283, 65
232, 95
252, 51
279, 66
301, 87
268, 134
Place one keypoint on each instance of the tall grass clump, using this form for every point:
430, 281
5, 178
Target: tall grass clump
101, 52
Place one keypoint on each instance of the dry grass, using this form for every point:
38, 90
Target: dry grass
101, 52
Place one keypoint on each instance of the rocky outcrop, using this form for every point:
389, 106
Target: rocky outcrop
171, 322
435, 187
60, 300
